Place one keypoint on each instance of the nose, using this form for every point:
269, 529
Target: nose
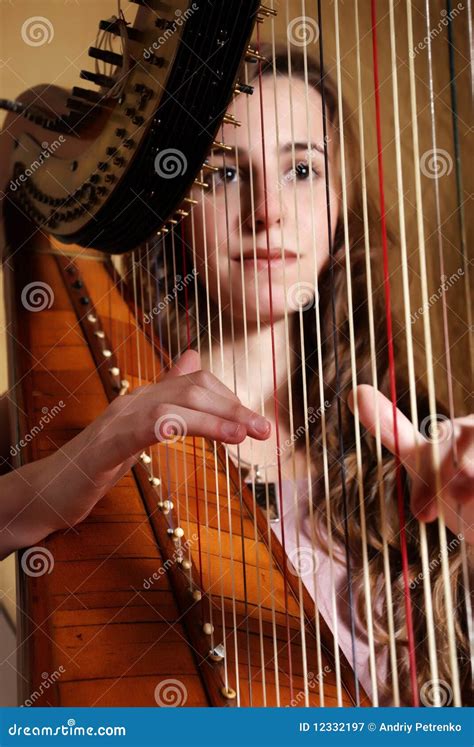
267, 205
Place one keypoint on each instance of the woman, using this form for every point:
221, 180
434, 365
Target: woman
268, 206
253, 326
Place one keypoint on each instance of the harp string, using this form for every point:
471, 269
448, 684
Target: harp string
336, 364
436, 456
262, 398
462, 240
214, 457
393, 392
410, 359
374, 374
360, 484
289, 368
220, 344
235, 388
249, 399
304, 363
274, 371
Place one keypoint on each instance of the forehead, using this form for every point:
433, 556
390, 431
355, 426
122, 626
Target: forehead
292, 112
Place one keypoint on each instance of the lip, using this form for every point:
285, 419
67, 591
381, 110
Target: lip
264, 255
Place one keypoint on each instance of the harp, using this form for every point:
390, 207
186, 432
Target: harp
186, 584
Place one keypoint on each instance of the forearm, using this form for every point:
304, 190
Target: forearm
44, 496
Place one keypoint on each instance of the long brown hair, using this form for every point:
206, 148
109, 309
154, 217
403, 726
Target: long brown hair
380, 500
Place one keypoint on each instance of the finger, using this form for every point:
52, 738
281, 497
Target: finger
177, 422
369, 400
188, 362
206, 402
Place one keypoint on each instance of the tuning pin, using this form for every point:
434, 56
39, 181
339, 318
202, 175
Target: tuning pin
243, 88
216, 145
103, 81
182, 213
208, 167
84, 93
230, 119
252, 55
111, 58
191, 201
116, 27
266, 11
203, 185
124, 387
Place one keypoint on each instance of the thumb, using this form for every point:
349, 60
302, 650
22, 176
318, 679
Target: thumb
372, 405
188, 363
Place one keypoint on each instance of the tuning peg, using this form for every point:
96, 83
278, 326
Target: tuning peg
104, 81
266, 11
216, 145
252, 55
230, 119
243, 88
87, 95
114, 27
105, 55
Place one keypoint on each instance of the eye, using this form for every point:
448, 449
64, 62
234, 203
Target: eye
302, 171
227, 175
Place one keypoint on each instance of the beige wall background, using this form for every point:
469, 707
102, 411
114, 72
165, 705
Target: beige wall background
73, 25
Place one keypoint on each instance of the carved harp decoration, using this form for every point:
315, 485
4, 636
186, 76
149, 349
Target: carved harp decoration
177, 588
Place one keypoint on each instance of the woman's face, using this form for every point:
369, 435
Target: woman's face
268, 200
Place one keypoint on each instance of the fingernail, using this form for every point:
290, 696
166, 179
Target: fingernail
230, 430
260, 424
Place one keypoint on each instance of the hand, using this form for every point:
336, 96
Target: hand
62, 489
456, 482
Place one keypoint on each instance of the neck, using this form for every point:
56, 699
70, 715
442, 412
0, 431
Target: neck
244, 361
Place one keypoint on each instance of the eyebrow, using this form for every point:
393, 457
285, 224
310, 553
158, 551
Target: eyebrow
287, 148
